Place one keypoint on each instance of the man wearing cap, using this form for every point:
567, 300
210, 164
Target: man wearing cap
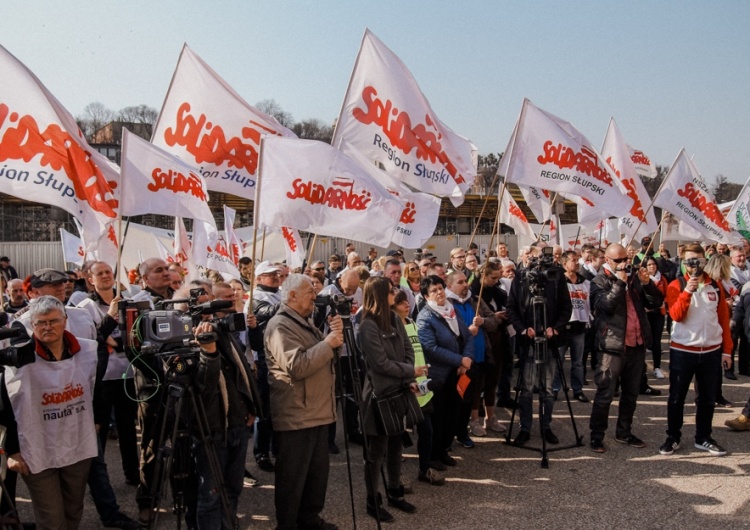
16, 299
265, 302
7, 270
645, 242
334, 267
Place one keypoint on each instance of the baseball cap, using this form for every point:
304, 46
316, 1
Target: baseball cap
266, 267
46, 277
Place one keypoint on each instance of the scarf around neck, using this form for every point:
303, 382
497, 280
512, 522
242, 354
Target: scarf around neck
447, 313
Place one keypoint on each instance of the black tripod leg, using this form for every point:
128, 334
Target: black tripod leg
164, 452
344, 405
542, 385
579, 439
519, 382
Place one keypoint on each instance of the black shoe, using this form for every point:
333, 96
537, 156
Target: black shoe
522, 438
448, 460
333, 449
581, 397
437, 465
721, 402
376, 511
632, 441
320, 524
730, 375
132, 479
120, 520
264, 463
650, 391
554, 394
597, 446
550, 437
396, 499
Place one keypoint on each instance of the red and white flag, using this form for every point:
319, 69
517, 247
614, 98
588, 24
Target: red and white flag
421, 210
72, 247
685, 195
155, 181
164, 253
538, 202
512, 215
309, 185
546, 152
234, 245
643, 164
211, 250
44, 156
295, 249
554, 230
207, 124
387, 118
182, 247
616, 153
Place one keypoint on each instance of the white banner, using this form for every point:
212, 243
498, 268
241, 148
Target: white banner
387, 118
538, 202
643, 164
512, 215
45, 157
211, 250
309, 185
421, 210
234, 245
686, 196
546, 152
295, 249
72, 248
207, 124
155, 181
739, 215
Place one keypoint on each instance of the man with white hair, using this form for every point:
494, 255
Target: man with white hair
301, 375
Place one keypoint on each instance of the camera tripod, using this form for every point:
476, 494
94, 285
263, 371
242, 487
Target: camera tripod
540, 360
174, 442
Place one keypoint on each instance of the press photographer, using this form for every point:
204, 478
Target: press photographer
539, 308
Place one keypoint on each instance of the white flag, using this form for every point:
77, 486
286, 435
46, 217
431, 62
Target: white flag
643, 164
309, 185
207, 124
546, 152
686, 196
155, 181
234, 245
538, 202
44, 157
387, 118
72, 248
512, 215
295, 249
739, 215
615, 152
164, 253
421, 210
554, 230
211, 250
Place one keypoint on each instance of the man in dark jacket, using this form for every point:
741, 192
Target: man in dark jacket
619, 299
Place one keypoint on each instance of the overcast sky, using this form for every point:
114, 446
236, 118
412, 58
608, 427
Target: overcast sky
672, 74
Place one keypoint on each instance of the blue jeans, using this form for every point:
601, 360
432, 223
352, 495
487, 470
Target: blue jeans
575, 341
683, 366
531, 373
231, 454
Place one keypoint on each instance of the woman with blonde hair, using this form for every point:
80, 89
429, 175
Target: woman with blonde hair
719, 268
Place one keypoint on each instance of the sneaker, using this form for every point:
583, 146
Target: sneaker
522, 438
264, 462
669, 446
711, 446
120, 520
467, 442
376, 511
740, 423
550, 437
597, 446
494, 424
431, 476
722, 402
658, 373
650, 391
476, 428
249, 480
632, 441
581, 397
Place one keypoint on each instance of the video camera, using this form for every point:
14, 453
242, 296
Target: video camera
337, 303
540, 270
21, 350
697, 264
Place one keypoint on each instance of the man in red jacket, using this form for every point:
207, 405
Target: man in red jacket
701, 342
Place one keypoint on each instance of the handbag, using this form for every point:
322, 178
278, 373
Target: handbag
396, 409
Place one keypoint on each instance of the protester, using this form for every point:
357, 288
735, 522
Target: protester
301, 376
719, 269
16, 297
7, 270
656, 317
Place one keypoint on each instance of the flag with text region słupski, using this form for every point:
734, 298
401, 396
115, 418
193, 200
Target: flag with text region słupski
421, 210
387, 118
44, 157
512, 215
643, 164
685, 195
206, 122
546, 152
155, 181
617, 155
309, 185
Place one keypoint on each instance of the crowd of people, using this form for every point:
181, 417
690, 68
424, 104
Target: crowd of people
436, 349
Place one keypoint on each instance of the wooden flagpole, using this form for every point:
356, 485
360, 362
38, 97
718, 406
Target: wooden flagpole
481, 213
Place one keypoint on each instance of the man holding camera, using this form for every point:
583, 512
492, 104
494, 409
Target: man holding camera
620, 296
543, 277
301, 375
701, 342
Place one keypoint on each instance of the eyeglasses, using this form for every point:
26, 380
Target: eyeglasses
48, 323
620, 260
413, 269
318, 269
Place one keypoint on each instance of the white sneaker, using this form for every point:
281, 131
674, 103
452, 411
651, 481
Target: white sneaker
658, 373
494, 424
476, 428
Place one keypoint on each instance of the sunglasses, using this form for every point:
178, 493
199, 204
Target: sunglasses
620, 260
319, 269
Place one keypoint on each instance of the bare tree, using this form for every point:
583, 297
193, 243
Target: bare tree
270, 107
313, 129
95, 116
138, 114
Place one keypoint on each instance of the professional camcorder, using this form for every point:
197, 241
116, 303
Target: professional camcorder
697, 264
540, 269
338, 304
21, 350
